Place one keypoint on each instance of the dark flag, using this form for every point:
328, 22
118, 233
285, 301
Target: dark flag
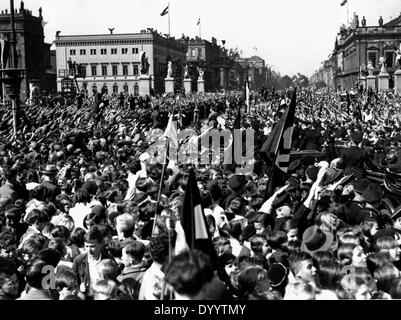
164, 12
277, 147
344, 2
193, 220
236, 126
348, 100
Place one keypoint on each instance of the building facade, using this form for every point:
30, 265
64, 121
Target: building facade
33, 53
206, 55
325, 75
257, 71
112, 61
359, 44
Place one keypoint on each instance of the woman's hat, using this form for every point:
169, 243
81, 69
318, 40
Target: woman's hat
315, 239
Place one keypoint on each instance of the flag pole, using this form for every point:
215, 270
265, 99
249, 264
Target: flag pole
168, 19
200, 28
347, 15
160, 187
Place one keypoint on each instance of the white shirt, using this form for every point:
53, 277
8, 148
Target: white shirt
78, 213
152, 283
94, 274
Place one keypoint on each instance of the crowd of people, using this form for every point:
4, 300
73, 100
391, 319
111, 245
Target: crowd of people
82, 196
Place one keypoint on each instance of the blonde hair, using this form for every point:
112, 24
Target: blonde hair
107, 288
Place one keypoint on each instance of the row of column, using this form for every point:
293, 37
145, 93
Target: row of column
382, 81
145, 85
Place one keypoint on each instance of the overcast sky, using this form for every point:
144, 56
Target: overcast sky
291, 35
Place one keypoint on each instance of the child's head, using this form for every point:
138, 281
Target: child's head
105, 290
66, 282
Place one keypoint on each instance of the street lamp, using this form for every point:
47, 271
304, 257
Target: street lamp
13, 76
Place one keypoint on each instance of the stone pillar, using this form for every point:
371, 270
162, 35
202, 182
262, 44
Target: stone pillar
383, 81
144, 85
169, 85
187, 85
362, 81
222, 79
397, 82
371, 82
201, 86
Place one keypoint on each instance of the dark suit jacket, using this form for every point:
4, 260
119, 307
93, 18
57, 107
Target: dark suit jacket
81, 267
352, 160
52, 191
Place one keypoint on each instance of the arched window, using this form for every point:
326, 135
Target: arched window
125, 88
115, 89
105, 90
136, 90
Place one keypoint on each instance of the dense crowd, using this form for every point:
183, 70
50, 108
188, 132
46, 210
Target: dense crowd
84, 198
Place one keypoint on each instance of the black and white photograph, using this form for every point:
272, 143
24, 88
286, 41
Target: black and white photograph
215, 151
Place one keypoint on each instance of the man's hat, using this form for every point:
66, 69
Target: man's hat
366, 215
50, 170
331, 175
315, 239
361, 184
237, 181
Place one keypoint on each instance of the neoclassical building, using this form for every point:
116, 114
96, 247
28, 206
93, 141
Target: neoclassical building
111, 62
33, 52
361, 43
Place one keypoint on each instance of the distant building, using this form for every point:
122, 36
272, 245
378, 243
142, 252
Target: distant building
208, 56
325, 75
257, 71
359, 44
33, 53
112, 61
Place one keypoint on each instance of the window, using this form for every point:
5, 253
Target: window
124, 50
372, 56
104, 70
114, 51
93, 52
136, 70
389, 55
193, 52
125, 88
115, 89
200, 52
114, 70
103, 51
72, 52
125, 70
82, 52
134, 50
94, 73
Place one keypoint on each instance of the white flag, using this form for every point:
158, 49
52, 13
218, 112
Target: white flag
171, 132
